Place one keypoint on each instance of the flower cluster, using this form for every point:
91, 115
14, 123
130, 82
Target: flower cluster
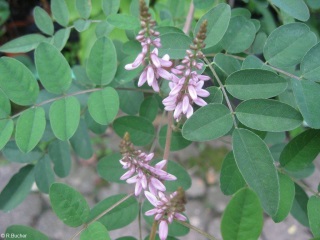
187, 89
166, 209
156, 67
145, 176
139, 170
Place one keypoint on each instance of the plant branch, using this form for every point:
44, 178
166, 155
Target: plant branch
101, 215
168, 136
153, 146
187, 24
284, 72
203, 233
75, 94
223, 91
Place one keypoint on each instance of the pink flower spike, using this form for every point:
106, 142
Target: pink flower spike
180, 217
151, 212
164, 74
129, 67
137, 62
163, 230
149, 156
155, 60
192, 92
155, 86
203, 77
189, 111
137, 189
157, 184
150, 75
161, 164
152, 199
202, 93
142, 78
127, 174
175, 90
200, 102
132, 179
169, 177
177, 111
185, 104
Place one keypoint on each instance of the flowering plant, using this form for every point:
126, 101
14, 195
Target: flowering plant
162, 76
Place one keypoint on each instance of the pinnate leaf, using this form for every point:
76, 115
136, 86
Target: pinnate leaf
68, 204
243, 217
255, 163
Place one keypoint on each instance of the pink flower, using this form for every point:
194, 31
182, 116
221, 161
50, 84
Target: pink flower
142, 174
166, 209
155, 67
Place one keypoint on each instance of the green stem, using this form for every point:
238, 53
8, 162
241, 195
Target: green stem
223, 91
101, 215
203, 233
153, 230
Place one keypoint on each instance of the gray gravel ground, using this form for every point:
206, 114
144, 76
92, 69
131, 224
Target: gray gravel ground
205, 205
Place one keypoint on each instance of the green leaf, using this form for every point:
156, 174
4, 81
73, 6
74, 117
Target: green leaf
299, 208
17, 189
104, 105
110, 169
215, 95
59, 153
255, 83
84, 8
64, 117
118, 217
226, 64
5, 106
175, 228
301, 150
306, 94
93, 125
174, 44
103, 29
258, 44
43, 174
218, 21
140, 129
13, 154
102, 61
28, 232
231, 179
310, 66
239, 36
255, 163
53, 69
95, 231
268, 115
149, 108
287, 44
68, 204
81, 142
17, 82
123, 21
25, 43
110, 6
295, 8
286, 198
43, 20
61, 37
177, 140
183, 178
6, 129
30, 128
313, 214
124, 76
209, 122
60, 12
130, 101
243, 217
81, 25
